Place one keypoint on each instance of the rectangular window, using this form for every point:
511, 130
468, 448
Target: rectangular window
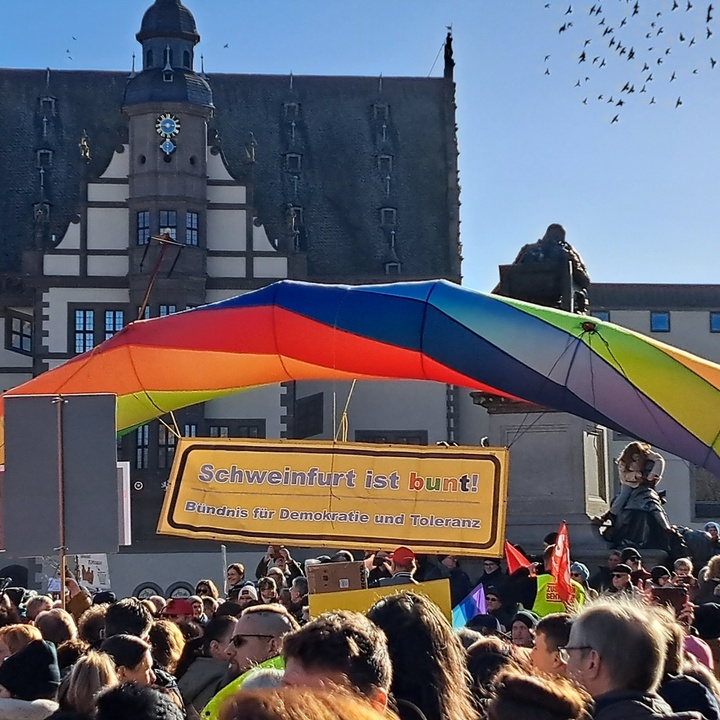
44, 158
219, 431
380, 111
399, 437
238, 429
166, 446
385, 164
168, 223
84, 330
191, 228
142, 446
114, 322
388, 216
143, 227
293, 162
393, 268
602, 315
309, 416
19, 335
166, 310
292, 110
715, 322
190, 430
146, 313
659, 321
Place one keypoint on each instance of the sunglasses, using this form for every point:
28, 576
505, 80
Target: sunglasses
575, 575
239, 640
622, 575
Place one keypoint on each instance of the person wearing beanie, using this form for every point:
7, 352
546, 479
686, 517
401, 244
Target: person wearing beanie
522, 629
581, 574
29, 682
659, 576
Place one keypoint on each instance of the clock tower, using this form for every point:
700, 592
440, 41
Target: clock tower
168, 105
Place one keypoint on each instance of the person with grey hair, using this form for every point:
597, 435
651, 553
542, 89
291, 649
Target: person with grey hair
616, 651
298, 597
263, 679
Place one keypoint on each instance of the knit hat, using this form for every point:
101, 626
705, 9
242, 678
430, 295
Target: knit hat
580, 569
700, 649
528, 617
32, 673
659, 571
622, 569
484, 622
105, 596
249, 591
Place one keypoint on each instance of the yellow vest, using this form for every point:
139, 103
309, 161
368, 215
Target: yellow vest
212, 710
548, 601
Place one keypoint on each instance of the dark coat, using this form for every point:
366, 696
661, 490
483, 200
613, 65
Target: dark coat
686, 693
623, 705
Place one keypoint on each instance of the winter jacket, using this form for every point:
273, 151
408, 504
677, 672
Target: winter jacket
200, 683
12, 709
628, 705
682, 693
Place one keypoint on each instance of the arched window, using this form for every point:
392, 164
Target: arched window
186, 59
149, 59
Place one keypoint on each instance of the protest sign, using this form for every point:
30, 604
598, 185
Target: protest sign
362, 600
357, 496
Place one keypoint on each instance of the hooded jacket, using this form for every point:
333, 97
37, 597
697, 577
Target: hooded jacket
201, 682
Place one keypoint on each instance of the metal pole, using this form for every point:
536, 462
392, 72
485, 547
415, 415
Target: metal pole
59, 401
223, 556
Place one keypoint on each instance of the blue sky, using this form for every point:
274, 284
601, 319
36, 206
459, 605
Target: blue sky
639, 197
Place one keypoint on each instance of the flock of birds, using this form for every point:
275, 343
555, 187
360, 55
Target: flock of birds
649, 46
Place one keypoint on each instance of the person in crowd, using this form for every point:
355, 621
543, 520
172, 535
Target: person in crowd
56, 626
132, 657
37, 604
680, 691
210, 606
709, 582
267, 591
139, 702
68, 653
403, 565
449, 567
281, 580
198, 607
178, 610
520, 696
492, 575
258, 637
660, 576
207, 588
247, 596
297, 704
298, 597
91, 628
278, 556
203, 665
167, 643
602, 579
551, 633
263, 679
469, 637
639, 575
29, 682
16, 637
485, 625
622, 580
487, 658
159, 602
522, 629
581, 575
91, 674
340, 648
616, 652
428, 661
381, 567
152, 607
494, 602
683, 575
235, 577
104, 597
702, 544
128, 617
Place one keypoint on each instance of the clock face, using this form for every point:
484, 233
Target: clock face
167, 125
168, 146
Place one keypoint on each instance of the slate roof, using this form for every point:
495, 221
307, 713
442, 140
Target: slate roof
339, 186
187, 86
168, 18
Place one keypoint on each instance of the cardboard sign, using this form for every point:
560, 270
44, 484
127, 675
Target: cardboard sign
350, 495
362, 600
333, 577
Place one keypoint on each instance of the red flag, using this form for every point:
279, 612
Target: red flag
560, 566
514, 559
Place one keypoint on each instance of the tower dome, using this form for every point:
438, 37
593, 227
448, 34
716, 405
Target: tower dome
168, 19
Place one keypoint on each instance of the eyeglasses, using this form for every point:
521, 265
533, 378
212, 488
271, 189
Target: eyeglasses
565, 651
239, 640
490, 598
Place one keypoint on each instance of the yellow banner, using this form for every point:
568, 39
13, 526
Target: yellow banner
362, 600
356, 496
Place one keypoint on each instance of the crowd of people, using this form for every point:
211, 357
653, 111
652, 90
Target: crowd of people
630, 643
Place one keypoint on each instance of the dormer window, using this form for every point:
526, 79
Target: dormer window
381, 111
149, 59
47, 106
385, 164
186, 59
293, 162
388, 216
44, 158
392, 268
292, 110
168, 76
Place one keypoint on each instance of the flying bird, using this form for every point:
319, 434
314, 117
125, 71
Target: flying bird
675, 5
577, 84
623, 22
652, 101
620, 102
585, 101
682, 38
569, 10
603, 63
625, 87
713, 63
678, 103
636, 9
615, 119
709, 13
689, 6
226, 45
587, 42
562, 29
583, 57
692, 42
645, 67
547, 71
595, 59
547, 57
643, 89
673, 76
708, 34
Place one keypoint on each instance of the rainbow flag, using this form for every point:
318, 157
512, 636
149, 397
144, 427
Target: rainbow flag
474, 604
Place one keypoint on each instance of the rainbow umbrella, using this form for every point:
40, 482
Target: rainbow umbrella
432, 330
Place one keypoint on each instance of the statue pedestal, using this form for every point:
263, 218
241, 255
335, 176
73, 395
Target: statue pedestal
558, 471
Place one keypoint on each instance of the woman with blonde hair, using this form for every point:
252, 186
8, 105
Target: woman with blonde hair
91, 674
167, 643
16, 637
299, 704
